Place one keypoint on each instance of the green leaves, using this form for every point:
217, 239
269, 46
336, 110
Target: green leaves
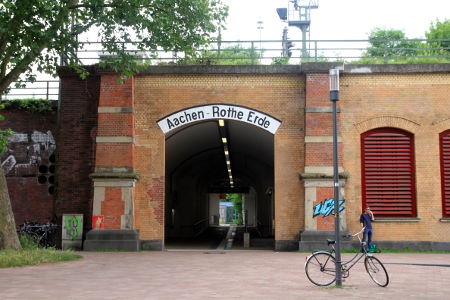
391, 43
440, 30
35, 34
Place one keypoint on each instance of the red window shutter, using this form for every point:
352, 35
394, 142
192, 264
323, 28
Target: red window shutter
444, 141
388, 178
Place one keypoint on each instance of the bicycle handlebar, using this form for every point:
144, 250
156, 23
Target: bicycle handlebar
353, 235
359, 232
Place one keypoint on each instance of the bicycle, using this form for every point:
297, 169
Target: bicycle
43, 234
320, 266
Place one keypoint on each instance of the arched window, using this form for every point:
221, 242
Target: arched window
388, 178
444, 143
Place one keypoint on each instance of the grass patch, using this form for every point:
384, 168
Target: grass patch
12, 258
32, 254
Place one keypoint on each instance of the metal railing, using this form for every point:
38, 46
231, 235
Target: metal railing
271, 51
255, 52
39, 89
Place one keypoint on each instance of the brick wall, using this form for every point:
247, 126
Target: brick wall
31, 147
76, 145
415, 102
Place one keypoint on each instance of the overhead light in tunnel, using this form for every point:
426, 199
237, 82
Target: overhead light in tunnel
221, 123
226, 152
228, 162
224, 140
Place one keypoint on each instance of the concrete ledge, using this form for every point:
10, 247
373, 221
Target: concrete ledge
156, 245
115, 139
112, 110
321, 109
306, 176
396, 68
312, 67
262, 242
112, 239
413, 245
311, 240
286, 245
321, 139
222, 69
114, 175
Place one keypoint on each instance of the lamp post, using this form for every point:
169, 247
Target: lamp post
334, 97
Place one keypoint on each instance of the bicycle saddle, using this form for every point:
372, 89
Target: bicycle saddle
331, 242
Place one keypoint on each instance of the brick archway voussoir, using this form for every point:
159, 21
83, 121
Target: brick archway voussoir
387, 121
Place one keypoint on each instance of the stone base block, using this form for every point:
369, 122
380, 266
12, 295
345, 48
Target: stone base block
71, 245
311, 240
413, 245
152, 245
112, 239
286, 245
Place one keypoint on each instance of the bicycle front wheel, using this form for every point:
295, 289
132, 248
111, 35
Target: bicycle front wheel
376, 271
320, 268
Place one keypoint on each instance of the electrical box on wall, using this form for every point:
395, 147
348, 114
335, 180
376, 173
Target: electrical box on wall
72, 231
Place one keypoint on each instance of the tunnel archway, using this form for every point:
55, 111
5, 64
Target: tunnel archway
198, 173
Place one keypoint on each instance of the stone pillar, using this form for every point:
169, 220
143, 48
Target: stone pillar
114, 177
318, 175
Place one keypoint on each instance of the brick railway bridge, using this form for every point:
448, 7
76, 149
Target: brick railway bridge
153, 156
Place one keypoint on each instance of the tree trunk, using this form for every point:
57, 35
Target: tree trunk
8, 233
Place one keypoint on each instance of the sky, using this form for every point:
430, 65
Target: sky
335, 19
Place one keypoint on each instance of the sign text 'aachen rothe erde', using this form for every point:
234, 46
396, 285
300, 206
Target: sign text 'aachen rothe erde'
219, 111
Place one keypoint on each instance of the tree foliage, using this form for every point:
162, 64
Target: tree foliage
238, 206
385, 43
440, 30
232, 55
37, 33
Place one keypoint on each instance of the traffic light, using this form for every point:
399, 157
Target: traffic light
46, 174
289, 45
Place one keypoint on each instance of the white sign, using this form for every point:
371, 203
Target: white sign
219, 111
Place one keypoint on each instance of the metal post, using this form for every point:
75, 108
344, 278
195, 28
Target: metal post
48, 90
252, 52
304, 51
315, 51
334, 97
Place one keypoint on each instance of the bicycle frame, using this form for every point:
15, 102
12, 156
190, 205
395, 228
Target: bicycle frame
348, 264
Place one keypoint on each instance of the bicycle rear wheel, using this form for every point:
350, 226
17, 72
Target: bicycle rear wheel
376, 271
320, 268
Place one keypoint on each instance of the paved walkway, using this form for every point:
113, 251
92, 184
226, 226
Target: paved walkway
218, 275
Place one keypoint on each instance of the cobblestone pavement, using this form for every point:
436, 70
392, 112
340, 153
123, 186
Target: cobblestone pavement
219, 275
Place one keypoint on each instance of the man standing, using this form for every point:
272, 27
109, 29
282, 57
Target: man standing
366, 220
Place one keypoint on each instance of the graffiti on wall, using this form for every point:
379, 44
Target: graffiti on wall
72, 226
326, 207
26, 151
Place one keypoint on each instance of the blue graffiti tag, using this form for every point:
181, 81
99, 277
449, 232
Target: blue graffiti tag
326, 208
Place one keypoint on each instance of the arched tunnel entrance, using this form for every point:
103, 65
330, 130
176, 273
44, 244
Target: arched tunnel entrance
205, 162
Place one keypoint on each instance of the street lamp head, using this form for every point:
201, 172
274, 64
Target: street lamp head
334, 84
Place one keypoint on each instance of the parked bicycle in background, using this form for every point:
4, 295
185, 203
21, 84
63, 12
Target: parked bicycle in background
43, 234
320, 266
